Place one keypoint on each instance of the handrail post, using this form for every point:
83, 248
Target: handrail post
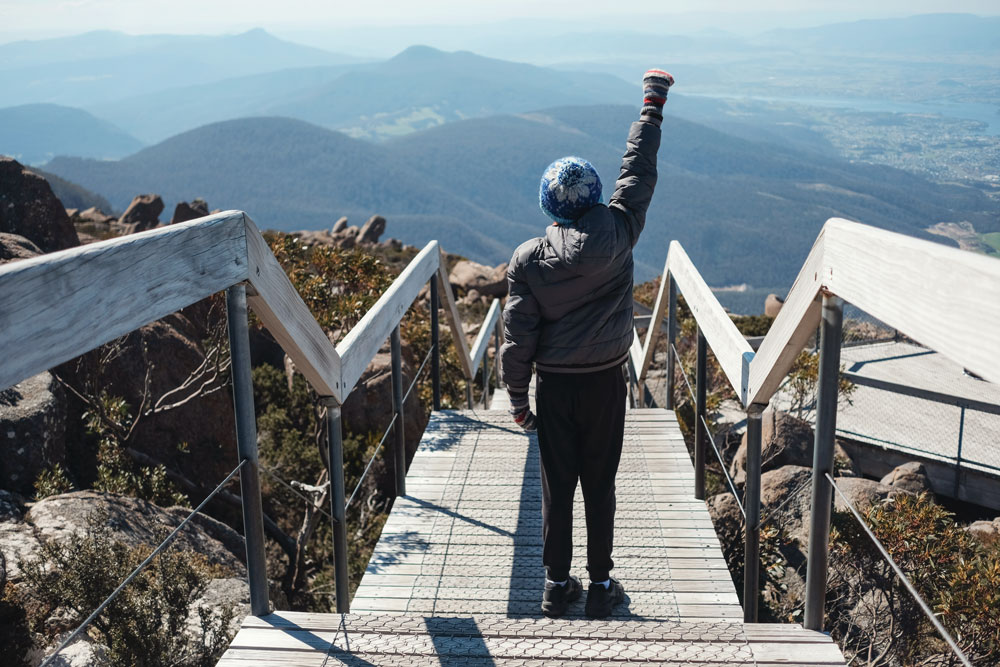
246, 442
751, 503
822, 492
958, 454
397, 408
699, 417
486, 383
468, 393
435, 345
338, 508
671, 338
497, 338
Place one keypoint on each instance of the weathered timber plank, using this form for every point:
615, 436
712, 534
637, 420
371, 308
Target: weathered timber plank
482, 341
790, 331
278, 305
728, 345
946, 298
454, 319
362, 343
57, 306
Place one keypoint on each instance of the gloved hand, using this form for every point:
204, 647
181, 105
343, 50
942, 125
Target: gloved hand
520, 410
655, 84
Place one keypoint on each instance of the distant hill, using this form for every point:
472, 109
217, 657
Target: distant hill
746, 211
418, 88
98, 67
72, 195
35, 133
928, 35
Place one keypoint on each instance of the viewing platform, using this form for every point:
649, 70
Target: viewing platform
456, 578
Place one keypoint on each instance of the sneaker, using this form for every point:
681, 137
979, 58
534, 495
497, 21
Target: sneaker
556, 599
600, 600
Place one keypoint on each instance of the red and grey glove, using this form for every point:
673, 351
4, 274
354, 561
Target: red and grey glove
520, 410
655, 85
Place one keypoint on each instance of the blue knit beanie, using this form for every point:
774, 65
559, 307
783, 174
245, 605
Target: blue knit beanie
569, 187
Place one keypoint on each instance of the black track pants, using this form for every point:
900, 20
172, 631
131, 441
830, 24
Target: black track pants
581, 424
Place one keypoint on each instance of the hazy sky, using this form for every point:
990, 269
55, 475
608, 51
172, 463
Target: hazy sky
26, 19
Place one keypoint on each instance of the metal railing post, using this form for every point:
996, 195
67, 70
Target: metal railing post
822, 492
399, 451
435, 345
486, 383
958, 455
246, 441
751, 503
699, 417
468, 393
338, 507
671, 338
497, 338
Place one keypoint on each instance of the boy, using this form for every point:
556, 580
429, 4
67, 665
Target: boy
570, 313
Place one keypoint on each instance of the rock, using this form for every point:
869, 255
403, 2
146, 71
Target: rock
395, 244
71, 212
32, 431
83, 652
372, 230
861, 492
910, 477
185, 211
987, 532
14, 247
173, 347
219, 594
340, 225
29, 208
135, 522
17, 538
777, 487
772, 305
468, 275
94, 214
142, 214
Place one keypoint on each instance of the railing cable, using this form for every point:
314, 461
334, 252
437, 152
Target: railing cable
718, 455
301, 495
371, 461
149, 559
684, 375
902, 576
420, 370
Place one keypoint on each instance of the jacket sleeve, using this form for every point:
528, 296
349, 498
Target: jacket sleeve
634, 187
522, 323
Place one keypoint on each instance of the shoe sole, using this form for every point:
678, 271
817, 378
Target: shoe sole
553, 610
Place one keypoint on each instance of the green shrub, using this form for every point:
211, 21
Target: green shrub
52, 482
145, 624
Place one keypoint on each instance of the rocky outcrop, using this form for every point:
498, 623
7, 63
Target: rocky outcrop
135, 522
142, 214
32, 431
14, 247
94, 214
910, 477
987, 532
372, 230
862, 493
340, 225
489, 282
772, 305
185, 211
29, 208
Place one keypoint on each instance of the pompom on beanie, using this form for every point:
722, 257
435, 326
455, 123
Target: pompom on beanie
570, 186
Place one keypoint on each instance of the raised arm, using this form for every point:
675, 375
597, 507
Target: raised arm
637, 179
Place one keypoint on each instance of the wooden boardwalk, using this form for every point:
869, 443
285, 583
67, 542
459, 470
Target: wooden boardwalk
456, 577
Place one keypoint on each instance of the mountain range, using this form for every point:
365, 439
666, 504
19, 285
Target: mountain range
473, 184
35, 133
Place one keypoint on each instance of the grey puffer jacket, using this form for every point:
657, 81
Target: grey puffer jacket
569, 308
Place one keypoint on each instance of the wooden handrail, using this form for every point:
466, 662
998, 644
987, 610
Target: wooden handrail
949, 299
69, 302
485, 331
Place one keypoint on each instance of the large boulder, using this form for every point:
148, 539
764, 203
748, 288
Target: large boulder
773, 304
185, 211
372, 230
136, 522
863, 493
94, 214
785, 440
490, 282
170, 350
29, 208
14, 247
788, 492
987, 532
32, 431
18, 541
910, 477
142, 214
